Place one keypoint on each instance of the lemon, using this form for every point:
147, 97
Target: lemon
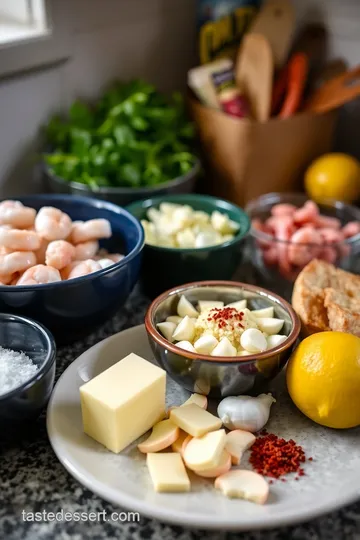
323, 379
333, 176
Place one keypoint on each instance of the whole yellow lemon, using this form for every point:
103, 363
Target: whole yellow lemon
334, 176
323, 379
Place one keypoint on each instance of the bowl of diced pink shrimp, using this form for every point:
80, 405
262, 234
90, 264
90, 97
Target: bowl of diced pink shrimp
68, 262
288, 230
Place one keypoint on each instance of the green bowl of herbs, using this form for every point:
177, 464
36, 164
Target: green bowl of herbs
131, 144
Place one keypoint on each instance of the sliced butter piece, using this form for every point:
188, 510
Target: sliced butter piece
194, 420
113, 403
168, 473
205, 453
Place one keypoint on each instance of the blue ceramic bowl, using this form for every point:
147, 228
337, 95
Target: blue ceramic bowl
73, 309
26, 401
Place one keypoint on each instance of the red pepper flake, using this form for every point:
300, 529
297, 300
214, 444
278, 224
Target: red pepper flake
273, 456
226, 317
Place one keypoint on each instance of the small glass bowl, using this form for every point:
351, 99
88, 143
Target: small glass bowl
26, 401
276, 273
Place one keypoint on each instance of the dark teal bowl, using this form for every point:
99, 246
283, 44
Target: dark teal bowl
164, 268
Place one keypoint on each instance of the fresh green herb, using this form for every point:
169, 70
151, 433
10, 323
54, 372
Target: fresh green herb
132, 137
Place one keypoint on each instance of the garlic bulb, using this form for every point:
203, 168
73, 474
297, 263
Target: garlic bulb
245, 412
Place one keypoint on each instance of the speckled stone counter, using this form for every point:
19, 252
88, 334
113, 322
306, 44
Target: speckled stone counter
32, 480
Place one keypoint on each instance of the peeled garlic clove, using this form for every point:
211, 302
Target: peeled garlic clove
204, 305
167, 329
275, 340
164, 240
183, 216
163, 434
220, 222
154, 215
168, 208
233, 227
185, 330
237, 442
224, 348
205, 344
246, 485
253, 341
201, 217
239, 305
206, 239
174, 318
264, 312
185, 239
186, 345
270, 325
185, 307
150, 232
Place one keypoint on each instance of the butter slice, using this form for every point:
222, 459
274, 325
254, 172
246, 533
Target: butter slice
194, 420
168, 473
204, 453
123, 402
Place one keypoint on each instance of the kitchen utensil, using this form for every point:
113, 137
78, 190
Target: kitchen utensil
329, 71
123, 479
254, 74
275, 21
336, 92
292, 82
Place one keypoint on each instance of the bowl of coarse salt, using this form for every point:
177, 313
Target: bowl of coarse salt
27, 368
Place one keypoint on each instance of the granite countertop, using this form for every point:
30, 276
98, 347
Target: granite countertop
33, 480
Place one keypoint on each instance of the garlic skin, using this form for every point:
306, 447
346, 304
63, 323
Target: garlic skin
245, 412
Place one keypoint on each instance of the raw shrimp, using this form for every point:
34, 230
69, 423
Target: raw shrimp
59, 254
105, 263
284, 228
83, 268
330, 236
52, 224
17, 261
300, 255
39, 274
307, 214
19, 240
328, 254
351, 229
94, 229
17, 215
270, 256
86, 250
115, 257
6, 279
284, 209
327, 222
40, 253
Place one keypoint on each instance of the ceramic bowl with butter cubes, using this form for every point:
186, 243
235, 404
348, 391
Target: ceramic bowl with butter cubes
221, 338
189, 238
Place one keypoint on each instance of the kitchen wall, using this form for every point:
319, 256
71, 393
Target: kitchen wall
126, 38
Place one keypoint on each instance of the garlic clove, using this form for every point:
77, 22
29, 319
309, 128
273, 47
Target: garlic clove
185, 307
154, 215
246, 485
150, 232
220, 222
186, 345
167, 329
206, 239
203, 453
264, 312
253, 341
237, 442
245, 412
205, 344
163, 434
270, 325
275, 340
185, 239
168, 208
175, 319
239, 305
224, 348
222, 467
185, 330
198, 399
204, 305
201, 217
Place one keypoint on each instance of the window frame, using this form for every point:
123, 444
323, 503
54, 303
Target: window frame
38, 51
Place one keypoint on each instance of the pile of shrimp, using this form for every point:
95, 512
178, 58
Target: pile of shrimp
47, 246
302, 234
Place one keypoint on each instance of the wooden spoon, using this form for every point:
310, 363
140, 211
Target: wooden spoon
254, 74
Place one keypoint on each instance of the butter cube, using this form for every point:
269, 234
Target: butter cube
123, 402
168, 473
194, 420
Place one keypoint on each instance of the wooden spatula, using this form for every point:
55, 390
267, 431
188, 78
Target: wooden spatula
254, 74
276, 22
335, 93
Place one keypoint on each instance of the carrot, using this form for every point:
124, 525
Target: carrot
297, 75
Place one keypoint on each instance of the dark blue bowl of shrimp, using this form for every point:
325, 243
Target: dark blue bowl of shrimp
68, 262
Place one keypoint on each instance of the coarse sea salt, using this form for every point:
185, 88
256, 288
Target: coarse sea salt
15, 369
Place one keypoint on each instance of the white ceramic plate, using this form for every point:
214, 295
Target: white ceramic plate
332, 479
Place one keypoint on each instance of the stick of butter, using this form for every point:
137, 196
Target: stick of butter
194, 420
123, 402
168, 473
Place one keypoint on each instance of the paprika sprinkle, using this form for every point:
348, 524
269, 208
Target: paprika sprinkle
274, 457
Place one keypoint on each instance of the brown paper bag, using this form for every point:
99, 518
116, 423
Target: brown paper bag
244, 159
